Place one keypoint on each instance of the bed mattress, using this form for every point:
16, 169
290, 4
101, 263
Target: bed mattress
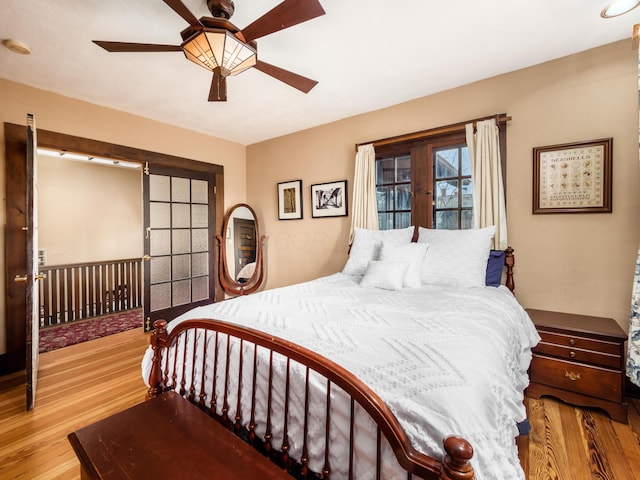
445, 360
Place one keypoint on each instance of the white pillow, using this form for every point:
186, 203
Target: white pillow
412, 254
388, 275
456, 257
366, 247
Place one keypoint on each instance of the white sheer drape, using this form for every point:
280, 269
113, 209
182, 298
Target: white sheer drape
488, 189
365, 210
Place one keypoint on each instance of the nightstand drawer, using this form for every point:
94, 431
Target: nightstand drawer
594, 381
583, 343
579, 355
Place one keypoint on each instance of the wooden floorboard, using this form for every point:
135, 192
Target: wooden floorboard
81, 384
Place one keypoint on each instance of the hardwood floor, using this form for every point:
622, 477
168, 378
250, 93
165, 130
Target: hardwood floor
83, 383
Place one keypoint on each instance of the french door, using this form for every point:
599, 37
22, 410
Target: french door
179, 245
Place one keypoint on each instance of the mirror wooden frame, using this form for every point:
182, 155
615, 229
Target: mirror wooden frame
229, 283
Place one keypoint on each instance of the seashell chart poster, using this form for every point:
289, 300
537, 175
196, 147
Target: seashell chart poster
573, 178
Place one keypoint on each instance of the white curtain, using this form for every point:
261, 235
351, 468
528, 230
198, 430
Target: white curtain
633, 346
365, 210
488, 189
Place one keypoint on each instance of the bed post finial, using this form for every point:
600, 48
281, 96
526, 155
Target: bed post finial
510, 261
158, 338
455, 465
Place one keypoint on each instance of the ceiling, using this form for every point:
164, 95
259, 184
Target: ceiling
365, 54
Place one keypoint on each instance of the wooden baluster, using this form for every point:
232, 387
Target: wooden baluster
238, 417
202, 395
252, 421
304, 459
268, 435
158, 338
456, 465
326, 470
285, 431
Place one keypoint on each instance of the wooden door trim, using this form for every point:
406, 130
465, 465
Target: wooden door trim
15, 145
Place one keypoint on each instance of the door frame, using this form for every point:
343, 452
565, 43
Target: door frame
15, 178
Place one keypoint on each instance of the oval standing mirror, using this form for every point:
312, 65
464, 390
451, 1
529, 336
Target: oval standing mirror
240, 267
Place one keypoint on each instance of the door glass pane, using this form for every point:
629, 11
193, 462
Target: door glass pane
160, 296
181, 292
160, 269
200, 238
181, 215
181, 241
200, 288
199, 191
180, 190
199, 216
159, 188
160, 242
181, 267
160, 216
199, 264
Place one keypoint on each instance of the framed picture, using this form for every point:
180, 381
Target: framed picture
329, 199
290, 200
573, 177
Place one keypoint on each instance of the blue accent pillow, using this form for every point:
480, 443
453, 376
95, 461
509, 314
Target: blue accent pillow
495, 264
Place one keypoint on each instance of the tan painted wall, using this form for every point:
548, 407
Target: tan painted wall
88, 212
73, 117
580, 263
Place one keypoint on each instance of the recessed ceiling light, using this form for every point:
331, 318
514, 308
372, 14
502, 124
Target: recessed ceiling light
619, 7
17, 47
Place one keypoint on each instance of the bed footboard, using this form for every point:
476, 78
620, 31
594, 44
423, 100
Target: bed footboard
306, 413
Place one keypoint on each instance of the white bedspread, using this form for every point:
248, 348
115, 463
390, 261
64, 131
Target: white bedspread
446, 361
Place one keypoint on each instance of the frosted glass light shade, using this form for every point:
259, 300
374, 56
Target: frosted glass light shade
214, 48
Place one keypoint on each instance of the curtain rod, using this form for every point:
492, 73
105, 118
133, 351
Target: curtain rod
453, 128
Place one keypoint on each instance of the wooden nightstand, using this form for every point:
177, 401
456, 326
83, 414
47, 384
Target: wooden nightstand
580, 360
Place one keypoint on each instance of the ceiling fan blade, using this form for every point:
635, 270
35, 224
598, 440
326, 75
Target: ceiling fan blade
136, 47
303, 84
180, 8
218, 91
285, 15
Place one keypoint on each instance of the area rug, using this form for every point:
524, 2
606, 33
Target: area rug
59, 336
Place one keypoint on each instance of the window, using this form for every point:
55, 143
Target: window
424, 179
453, 190
393, 192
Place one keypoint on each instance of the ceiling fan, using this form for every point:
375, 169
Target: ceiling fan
219, 46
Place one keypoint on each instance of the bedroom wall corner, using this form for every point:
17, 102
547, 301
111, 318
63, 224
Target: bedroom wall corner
580, 263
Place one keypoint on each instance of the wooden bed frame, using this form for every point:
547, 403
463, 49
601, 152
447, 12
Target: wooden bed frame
187, 344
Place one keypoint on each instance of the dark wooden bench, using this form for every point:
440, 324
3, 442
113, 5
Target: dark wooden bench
167, 437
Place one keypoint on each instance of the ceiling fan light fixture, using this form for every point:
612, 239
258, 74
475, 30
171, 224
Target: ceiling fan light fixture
619, 7
212, 48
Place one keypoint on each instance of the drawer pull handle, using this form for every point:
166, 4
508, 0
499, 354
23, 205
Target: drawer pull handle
572, 341
572, 354
572, 376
